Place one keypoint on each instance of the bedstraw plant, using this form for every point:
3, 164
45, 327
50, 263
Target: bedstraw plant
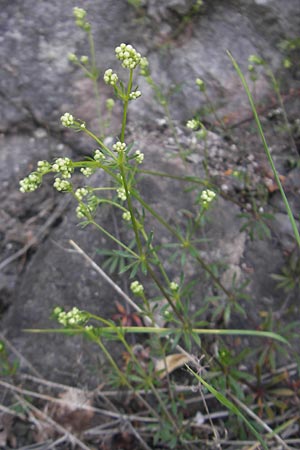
147, 371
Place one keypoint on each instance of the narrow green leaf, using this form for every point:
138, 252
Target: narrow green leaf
229, 405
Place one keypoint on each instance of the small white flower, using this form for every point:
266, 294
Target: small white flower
110, 103
80, 193
73, 317
128, 55
64, 166
110, 77
121, 193
79, 13
67, 120
126, 216
144, 66
119, 146
30, 183
72, 57
137, 288
62, 185
80, 212
139, 156
193, 124
84, 59
174, 286
98, 155
87, 171
43, 167
201, 85
207, 196
134, 95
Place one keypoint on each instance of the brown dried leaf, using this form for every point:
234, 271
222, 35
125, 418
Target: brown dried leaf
170, 363
6, 421
72, 413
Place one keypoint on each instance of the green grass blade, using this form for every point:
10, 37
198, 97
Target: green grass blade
229, 405
266, 147
158, 330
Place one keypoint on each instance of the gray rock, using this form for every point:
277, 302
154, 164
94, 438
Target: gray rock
38, 84
55, 276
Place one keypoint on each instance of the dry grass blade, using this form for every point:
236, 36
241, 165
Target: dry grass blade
261, 422
104, 412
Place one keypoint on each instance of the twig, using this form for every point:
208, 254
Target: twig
108, 279
86, 407
260, 421
41, 233
71, 437
51, 384
6, 410
18, 354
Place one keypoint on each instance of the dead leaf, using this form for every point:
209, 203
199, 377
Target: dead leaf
72, 413
6, 421
170, 363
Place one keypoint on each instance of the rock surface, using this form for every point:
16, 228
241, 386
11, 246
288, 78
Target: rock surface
38, 85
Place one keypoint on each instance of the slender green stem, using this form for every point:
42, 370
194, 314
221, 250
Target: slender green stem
95, 80
165, 294
266, 147
193, 251
149, 383
126, 101
113, 238
123, 377
100, 142
189, 179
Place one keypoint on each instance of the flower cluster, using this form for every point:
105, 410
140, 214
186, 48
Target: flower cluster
207, 197
87, 171
84, 59
62, 185
72, 58
139, 156
121, 194
80, 18
119, 146
174, 286
80, 193
137, 288
110, 77
63, 166
201, 85
98, 155
74, 317
30, 183
85, 210
43, 167
257, 60
144, 67
110, 103
81, 211
67, 120
128, 55
193, 124
126, 216
134, 95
